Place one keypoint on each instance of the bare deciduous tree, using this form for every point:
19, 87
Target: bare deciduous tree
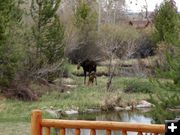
117, 44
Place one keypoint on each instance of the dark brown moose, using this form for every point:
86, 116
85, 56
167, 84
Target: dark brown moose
88, 67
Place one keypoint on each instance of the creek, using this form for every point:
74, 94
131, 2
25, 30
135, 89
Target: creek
123, 116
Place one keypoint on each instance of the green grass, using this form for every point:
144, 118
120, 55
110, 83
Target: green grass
80, 98
16, 114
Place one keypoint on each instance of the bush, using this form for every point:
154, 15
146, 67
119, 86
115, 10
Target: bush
86, 26
146, 47
117, 39
138, 86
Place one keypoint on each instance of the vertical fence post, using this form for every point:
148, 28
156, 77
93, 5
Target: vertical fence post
36, 118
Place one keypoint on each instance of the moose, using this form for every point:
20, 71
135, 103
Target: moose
92, 76
88, 67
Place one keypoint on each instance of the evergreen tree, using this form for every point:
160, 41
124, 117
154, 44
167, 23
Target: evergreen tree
48, 32
167, 31
10, 18
86, 24
165, 22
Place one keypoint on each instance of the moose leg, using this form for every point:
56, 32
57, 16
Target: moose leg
96, 78
89, 81
84, 77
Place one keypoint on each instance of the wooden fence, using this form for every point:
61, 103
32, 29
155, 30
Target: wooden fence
37, 124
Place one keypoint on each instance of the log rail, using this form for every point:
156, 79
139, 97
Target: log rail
37, 124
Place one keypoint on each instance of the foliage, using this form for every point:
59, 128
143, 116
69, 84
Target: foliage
165, 103
122, 38
146, 47
45, 49
116, 42
10, 20
165, 22
138, 86
82, 14
167, 30
171, 48
48, 32
26, 52
53, 44
67, 69
86, 24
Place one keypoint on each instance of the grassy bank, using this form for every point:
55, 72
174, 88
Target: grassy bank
15, 114
79, 98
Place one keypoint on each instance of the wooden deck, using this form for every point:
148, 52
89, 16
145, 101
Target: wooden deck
37, 124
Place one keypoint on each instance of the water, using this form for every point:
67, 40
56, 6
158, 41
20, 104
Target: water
125, 116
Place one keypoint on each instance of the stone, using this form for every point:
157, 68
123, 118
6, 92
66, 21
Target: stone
68, 92
70, 112
117, 108
144, 104
92, 110
70, 86
64, 81
53, 113
128, 108
68, 81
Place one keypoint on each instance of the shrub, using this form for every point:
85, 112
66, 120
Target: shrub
119, 39
146, 47
85, 22
138, 86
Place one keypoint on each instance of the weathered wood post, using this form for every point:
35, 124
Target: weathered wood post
36, 118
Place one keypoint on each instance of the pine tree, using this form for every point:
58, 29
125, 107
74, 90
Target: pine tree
48, 31
10, 18
165, 22
86, 24
167, 31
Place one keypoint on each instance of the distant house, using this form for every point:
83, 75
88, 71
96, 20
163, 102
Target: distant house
139, 21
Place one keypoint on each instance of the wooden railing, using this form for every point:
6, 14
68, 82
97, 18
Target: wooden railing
37, 124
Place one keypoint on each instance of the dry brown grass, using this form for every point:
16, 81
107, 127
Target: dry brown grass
14, 128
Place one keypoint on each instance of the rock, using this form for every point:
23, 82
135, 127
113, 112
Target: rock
66, 87
177, 107
144, 110
51, 107
144, 104
128, 108
68, 81
174, 109
117, 108
59, 110
92, 110
68, 92
57, 81
70, 112
64, 81
55, 113
70, 86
